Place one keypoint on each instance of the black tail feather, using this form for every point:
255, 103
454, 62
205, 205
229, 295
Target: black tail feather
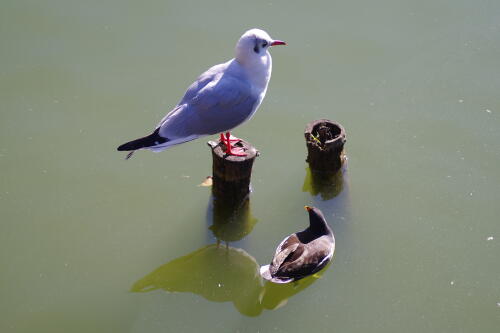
153, 139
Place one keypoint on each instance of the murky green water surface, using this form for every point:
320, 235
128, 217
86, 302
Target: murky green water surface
92, 243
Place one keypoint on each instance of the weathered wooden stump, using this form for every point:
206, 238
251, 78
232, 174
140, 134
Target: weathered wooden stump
325, 141
231, 174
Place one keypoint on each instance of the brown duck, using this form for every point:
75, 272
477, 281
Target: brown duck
303, 253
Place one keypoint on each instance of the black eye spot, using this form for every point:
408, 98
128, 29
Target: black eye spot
264, 44
256, 47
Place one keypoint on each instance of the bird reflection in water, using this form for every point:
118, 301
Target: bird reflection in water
221, 274
217, 274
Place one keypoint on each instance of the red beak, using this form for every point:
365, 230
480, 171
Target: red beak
277, 42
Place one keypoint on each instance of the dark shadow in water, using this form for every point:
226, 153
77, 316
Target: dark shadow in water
222, 274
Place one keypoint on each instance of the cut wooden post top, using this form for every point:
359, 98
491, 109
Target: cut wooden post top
325, 141
325, 133
230, 167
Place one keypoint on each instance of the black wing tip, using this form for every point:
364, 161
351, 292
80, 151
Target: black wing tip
147, 141
125, 147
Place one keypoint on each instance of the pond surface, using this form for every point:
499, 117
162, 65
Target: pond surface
90, 242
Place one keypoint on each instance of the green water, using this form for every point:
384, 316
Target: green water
92, 243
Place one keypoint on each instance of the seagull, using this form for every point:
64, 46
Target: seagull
220, 99
303, 253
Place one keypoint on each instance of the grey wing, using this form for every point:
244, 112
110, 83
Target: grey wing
212, 74
174, 123
220, 105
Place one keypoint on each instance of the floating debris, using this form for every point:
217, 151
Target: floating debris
490, 238
207, 182
488, 110
452, 283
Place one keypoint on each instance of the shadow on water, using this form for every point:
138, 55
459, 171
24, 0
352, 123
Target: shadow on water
222, 274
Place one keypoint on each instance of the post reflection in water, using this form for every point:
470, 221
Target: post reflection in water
224, 273
328, 186
230, 224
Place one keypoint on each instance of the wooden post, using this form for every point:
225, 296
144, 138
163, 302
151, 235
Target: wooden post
231, 174
325, 141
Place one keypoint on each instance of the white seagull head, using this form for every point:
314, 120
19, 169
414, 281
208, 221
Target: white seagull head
253, 45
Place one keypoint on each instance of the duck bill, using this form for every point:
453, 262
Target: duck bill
308, 208
277, 42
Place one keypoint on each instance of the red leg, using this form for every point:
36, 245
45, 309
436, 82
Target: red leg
228, 144
228, 135
229, 147
225, 142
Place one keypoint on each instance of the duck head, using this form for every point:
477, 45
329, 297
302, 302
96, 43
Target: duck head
317, 221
